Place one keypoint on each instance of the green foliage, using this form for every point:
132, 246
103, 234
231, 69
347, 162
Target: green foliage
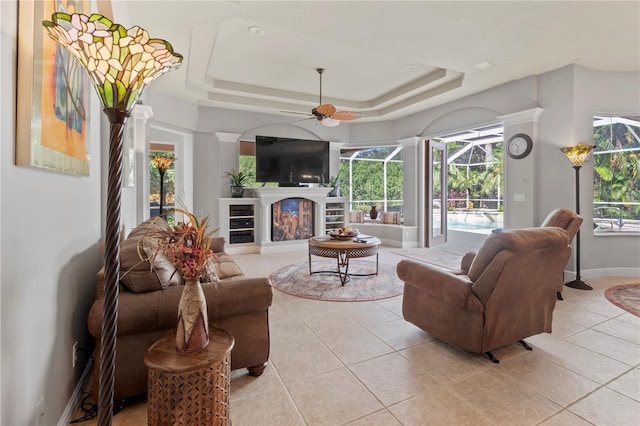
617, 174
238, 178
477, 180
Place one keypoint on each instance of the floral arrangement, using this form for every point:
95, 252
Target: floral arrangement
187, 245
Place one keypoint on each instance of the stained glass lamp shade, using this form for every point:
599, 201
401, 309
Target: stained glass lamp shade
577, 153
121, 64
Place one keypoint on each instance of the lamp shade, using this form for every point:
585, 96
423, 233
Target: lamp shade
162, 163
120, 62
577, 153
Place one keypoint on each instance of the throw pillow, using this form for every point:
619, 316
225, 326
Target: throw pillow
209, 271
137, 274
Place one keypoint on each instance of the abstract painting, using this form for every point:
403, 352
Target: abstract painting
53, 94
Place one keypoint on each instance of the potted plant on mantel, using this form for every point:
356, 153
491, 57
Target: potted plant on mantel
334, 182
238, 179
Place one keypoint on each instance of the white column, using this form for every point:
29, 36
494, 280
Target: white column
519, 188
266, 222
137, 125
413, 187
228, 158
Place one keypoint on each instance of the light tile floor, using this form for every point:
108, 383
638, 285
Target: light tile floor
360, 363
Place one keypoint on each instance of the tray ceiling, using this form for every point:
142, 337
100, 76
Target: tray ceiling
383, 59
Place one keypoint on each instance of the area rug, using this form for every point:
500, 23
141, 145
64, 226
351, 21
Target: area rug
625, 296
296, 281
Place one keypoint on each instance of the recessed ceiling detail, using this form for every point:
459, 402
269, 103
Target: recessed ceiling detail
277, 68
262, 56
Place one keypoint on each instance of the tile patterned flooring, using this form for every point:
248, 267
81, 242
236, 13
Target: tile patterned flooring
360, 363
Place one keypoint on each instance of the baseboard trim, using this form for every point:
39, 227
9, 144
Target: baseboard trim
76, 398
611, 272
603, 273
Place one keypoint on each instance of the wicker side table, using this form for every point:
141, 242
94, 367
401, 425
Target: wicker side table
189, 388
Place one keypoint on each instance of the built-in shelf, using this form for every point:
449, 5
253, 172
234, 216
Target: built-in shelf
241, 223
335, 214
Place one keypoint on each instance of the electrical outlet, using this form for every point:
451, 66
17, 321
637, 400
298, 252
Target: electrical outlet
74, 355
40, 411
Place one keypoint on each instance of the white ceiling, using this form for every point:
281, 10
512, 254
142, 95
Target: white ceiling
384, 59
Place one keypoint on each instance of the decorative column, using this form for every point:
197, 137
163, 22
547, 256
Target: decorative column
519, 189
139, 133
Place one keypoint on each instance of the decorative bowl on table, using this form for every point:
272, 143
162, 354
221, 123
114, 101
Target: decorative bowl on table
343, 234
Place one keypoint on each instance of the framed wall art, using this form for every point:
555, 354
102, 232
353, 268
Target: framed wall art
53, 94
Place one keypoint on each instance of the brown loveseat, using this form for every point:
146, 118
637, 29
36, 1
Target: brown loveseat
148, 308
503, 294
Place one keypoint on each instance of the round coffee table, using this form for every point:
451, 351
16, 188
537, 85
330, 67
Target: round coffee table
343, 250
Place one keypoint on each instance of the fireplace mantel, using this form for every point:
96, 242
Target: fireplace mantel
271, 195
267, 196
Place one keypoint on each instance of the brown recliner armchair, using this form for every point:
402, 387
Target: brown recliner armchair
503, 294
570, 222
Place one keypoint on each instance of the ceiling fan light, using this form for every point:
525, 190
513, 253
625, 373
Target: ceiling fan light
330, 122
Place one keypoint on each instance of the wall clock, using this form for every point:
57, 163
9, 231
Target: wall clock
519, 146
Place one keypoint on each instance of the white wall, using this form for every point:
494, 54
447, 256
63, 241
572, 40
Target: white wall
50, 235
599, 92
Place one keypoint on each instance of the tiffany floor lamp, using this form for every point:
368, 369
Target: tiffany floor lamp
162, 164
577, 154
121, 63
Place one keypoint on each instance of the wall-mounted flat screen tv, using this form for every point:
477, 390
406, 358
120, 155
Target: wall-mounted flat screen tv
290, 161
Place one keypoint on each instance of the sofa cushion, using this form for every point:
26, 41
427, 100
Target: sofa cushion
224, 266
217, 244
136, 273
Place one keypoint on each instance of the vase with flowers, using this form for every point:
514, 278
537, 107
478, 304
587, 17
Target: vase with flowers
187, 245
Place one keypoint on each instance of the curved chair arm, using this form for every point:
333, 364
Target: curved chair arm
467, 259
436, 282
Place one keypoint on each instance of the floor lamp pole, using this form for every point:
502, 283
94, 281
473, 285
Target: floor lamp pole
117, 120
577, 282
161, 190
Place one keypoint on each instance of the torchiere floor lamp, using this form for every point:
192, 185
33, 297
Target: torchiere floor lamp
162, 164
577, 154
121, 63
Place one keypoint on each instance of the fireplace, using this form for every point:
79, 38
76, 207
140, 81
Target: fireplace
292, 219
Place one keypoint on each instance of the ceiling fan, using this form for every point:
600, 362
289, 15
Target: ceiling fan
327, 114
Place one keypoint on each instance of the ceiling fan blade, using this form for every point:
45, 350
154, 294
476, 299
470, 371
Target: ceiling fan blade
298, 112
302, 119
345, 115
326, 109
330, 122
